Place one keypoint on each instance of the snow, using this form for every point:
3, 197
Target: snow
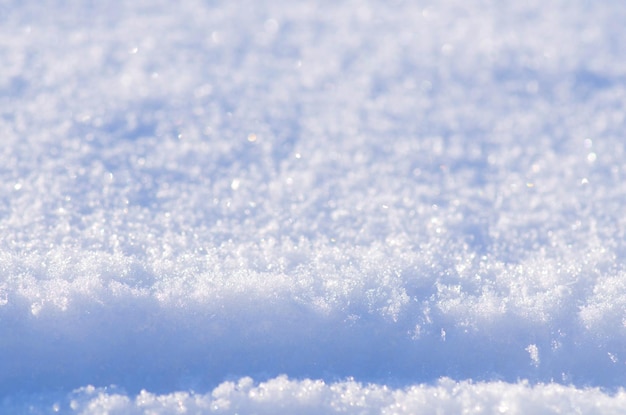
312, 207
281, 395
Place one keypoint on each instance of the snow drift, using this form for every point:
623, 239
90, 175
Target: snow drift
318, 206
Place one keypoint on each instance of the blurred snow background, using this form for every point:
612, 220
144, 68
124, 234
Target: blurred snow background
402, 206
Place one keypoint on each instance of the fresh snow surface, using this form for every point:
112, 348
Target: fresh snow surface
356, 207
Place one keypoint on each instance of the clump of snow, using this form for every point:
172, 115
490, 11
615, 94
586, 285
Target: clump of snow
398, 192
287, 396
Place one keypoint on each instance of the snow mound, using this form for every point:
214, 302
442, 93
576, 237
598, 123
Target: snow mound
285, 396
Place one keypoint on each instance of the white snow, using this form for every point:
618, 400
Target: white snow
312, 207
281, 395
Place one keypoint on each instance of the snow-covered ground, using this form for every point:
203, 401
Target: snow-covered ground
355, 207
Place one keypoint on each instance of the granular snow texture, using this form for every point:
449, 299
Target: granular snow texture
312, 207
